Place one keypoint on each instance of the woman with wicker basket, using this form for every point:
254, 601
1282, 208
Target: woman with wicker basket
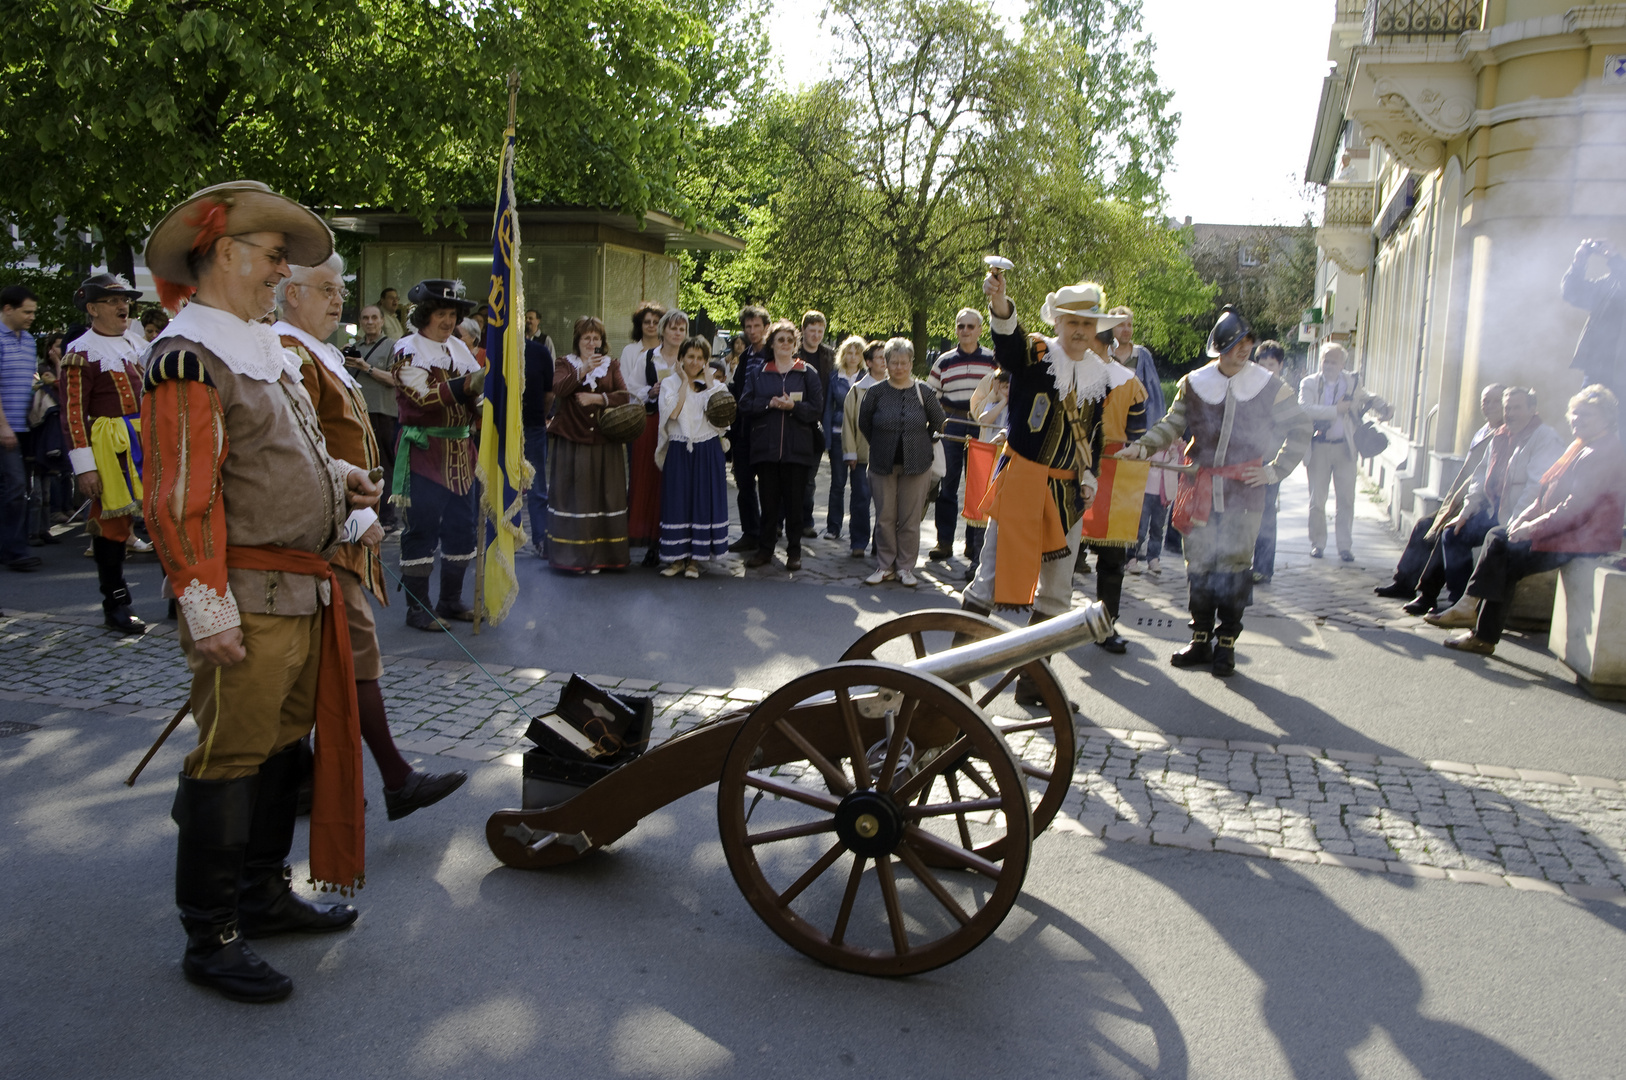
587, 468
695, 411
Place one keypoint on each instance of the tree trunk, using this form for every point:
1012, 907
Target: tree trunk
120, 256
917, 334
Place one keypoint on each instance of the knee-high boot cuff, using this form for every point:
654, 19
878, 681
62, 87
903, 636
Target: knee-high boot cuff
109, 555
450, 604
215, 818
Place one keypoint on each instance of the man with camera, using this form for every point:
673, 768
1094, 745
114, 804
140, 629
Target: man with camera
368, 359
1336, 401
1600, 355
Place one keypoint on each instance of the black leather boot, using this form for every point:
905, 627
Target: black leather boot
1236, 591
451, 605
1027, 691
1201, 650
214, 818
417, 594
115, 595
267, 903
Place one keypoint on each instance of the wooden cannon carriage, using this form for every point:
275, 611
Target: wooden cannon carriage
874, 816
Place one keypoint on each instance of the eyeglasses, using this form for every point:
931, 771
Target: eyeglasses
968, 326
330, 290
277, 255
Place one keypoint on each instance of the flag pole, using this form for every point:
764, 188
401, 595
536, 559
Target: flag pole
480, 526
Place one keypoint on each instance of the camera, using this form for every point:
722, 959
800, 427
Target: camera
351, 352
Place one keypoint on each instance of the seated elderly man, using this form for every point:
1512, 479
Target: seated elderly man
1422, 560
1521, 453
1578, 512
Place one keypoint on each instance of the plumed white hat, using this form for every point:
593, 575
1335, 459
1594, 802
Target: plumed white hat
1085, 299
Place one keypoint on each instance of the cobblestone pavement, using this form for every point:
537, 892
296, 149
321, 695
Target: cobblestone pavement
1484, 824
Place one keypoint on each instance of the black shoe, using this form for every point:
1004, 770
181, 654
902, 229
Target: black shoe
761, 558
270, 906
219, 958
1224, 657
117, 615
1027, 691
416, 587
809, 533
938, 553
1346, 556
793, 562
652, 557
25, 564
1196, 654
1419, 607
1114, 644
420, 790
1394, 592
970, 574
1315, 553
744, 543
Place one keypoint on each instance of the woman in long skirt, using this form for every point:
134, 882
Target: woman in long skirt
644, 377
587, 474
694, 484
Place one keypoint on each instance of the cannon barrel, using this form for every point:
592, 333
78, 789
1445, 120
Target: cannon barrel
996, 655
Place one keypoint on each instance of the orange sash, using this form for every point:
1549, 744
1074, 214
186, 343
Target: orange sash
979, 475
1195, 499
338, 831
1030, 529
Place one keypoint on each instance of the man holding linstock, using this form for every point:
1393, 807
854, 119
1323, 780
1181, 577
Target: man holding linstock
245, 505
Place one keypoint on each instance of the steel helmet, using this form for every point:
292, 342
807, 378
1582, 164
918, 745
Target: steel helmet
1230, 329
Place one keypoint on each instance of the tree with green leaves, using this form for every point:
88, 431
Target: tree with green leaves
113, 110
942, 138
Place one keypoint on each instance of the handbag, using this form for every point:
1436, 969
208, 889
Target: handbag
1368, 440
650, 407
939, 467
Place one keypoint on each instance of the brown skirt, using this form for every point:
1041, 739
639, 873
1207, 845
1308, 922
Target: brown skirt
587, 505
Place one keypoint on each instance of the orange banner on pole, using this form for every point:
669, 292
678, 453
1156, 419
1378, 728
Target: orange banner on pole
979, 476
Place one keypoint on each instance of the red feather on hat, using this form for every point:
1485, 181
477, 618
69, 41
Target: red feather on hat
209, 218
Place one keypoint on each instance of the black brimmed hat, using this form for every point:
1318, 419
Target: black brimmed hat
441, 292
1230, 329
102, 287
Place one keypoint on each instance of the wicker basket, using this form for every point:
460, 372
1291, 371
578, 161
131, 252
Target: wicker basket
623, 423
721, 409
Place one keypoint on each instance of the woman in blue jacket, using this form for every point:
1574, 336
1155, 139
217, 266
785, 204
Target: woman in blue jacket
782, 404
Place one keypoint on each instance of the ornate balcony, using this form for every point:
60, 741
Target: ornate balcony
1419, 20
1346, 225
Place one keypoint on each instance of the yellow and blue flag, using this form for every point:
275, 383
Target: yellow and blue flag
503, 472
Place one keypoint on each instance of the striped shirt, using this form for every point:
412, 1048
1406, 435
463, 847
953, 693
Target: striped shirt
956, 375
18, 359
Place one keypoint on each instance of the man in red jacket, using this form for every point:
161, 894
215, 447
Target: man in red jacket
1579, 512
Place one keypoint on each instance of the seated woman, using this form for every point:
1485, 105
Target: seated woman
587, 474
898, 418
689, 453
1579, 512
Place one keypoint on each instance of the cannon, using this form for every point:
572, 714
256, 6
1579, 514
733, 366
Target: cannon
872, 814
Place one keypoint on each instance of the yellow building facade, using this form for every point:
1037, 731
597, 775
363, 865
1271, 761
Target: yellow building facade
1466, 148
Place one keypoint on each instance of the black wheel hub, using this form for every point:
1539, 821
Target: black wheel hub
869, 823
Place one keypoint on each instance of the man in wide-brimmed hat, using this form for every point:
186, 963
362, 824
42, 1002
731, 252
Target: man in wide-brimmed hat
1239, 416
101, 412
244, 505
438, 384
1067, 404
311, 302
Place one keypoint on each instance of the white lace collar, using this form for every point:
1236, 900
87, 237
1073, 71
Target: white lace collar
1090, 378
330, 357
1209, 384
426, 353
251, 349
586, 376
111, 353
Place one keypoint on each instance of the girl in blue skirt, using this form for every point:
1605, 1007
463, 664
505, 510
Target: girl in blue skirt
689, 451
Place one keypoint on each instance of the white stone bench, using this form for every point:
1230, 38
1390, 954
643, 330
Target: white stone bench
1589, 626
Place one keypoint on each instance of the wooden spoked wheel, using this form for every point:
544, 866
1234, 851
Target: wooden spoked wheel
1045, 746
835, 800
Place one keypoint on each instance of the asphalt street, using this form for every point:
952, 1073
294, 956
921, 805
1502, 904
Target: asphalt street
1121, 959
